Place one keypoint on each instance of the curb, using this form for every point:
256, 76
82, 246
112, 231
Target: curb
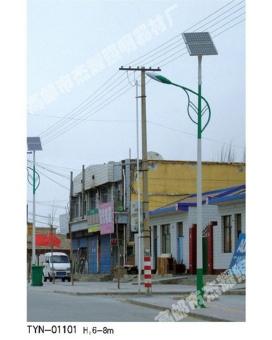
192, 314
181, 294
120, 293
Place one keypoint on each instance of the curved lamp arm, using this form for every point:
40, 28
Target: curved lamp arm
165, 80
30, 178
194, 107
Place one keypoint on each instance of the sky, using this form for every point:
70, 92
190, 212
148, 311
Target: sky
84, 108
61, 57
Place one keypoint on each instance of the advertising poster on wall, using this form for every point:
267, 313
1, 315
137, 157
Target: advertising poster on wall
106, 218
93, 220
238, 262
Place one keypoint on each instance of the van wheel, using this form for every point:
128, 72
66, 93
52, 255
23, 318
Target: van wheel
50, 278
45, 279
63, 280
69, 280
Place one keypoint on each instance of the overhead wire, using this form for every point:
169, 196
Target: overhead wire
97, 108
53, 166
62, 126
40, 172
49, 170
87, 105
119, 77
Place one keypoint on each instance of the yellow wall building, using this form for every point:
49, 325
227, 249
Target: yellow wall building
170, 181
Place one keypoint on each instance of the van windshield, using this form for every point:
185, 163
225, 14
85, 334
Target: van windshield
59, 259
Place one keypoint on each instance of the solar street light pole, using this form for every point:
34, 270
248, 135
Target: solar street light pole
198, 44
199, 111
34, 214
199, 251
34, 144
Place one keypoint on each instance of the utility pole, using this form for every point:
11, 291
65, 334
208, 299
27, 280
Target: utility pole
147, 250
82, 190
52, 250
70, 229
118, 251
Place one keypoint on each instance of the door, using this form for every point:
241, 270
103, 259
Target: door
155, 253
105, 254
93, 254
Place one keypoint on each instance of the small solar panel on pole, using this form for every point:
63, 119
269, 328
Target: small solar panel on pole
34, 144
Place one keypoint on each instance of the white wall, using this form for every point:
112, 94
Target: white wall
210, 213
136, 252
222, 260
95, 175
64, 223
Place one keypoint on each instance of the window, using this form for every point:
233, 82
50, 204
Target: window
154, 231
180, 229
227, 233
59, 259
84, 207
74, 207
118, 197
238, 223
104, 195
92, 199
166, 244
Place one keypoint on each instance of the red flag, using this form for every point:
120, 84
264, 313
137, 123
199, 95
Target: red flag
41, 240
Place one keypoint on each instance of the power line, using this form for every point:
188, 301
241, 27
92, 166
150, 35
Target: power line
110, 86
91, 104
53, 180
54, 172
56, 226
65, 124
97, 108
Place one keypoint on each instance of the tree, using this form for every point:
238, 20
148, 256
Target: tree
51, 223
228, 155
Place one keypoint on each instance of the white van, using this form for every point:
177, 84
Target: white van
56, 264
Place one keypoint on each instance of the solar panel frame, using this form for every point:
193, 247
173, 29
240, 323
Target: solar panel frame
34, 144
201, 49
199, 43
197, 37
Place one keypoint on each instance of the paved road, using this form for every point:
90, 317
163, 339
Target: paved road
53, 307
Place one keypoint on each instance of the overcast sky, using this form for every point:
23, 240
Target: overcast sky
69, 54
84, 108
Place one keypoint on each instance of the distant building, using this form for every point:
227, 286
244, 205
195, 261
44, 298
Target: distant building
42, 233
111, 190
64, 223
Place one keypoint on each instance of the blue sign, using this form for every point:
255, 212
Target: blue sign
238, 262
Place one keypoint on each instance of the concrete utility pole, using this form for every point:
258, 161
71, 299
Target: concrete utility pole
82, 191
147, 268
70, 229
52, 250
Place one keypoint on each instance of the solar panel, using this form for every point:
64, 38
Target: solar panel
197, 37
199, 43
34, 144
201, 49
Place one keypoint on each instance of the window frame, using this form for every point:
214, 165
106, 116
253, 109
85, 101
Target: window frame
227, 234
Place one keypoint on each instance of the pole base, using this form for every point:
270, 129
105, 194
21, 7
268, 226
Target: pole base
199, 288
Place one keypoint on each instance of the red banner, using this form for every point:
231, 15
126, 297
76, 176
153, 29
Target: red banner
47, 240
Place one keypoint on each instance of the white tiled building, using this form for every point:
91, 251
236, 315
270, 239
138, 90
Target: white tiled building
170, 227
